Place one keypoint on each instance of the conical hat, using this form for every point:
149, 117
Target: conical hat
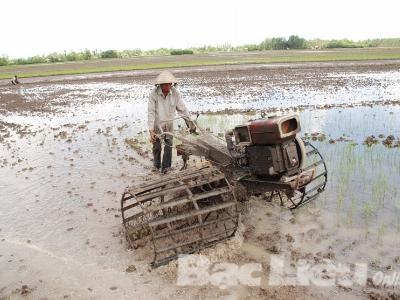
165, 77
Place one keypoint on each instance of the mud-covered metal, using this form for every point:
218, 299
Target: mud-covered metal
315, 166
180, 213
310, 182
186, 211
295, 186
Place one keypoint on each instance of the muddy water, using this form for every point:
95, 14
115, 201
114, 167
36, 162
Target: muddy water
61, 178
262, 92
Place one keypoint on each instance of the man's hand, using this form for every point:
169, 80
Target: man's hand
192, 130
190, 124
153, 136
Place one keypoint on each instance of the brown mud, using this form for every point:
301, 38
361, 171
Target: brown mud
69, 147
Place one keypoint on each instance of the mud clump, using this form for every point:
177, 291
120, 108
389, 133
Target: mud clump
135, 144
7, 129
332, 141
370, 140
24, 291
289, 238
383, 295
388, 142
343, 138
271, 241
316, 136
130, 269
61, 135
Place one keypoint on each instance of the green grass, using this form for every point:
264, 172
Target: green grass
142, 63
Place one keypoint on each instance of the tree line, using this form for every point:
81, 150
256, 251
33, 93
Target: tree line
296, 42
276, 43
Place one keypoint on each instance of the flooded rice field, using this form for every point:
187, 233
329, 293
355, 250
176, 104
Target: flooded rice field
70, 147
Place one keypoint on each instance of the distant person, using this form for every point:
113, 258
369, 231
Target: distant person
15, 80
164, 101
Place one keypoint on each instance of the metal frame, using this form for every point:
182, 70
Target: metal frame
180, 213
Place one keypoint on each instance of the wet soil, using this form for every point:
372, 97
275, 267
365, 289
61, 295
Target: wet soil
70, 145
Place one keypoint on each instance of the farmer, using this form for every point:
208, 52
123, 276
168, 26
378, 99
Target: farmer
164, 101
15, 80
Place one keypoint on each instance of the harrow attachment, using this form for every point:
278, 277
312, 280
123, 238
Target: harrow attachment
180, 213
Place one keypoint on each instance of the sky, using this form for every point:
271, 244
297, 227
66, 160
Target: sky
40, 27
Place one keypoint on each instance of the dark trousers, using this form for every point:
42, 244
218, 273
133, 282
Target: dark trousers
167, 155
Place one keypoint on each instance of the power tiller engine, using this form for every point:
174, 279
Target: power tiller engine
268, 148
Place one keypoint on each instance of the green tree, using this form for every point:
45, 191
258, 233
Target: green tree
181, 52
37, 59
109, 54
266, 44
86, 54
253, 47
4, 60
278, 43
55, 57
295, 42
72, 56
345, 43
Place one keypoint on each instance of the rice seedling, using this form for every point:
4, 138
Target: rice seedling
381, 233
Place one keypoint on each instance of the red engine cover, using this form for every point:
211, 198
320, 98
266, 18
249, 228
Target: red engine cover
273, 130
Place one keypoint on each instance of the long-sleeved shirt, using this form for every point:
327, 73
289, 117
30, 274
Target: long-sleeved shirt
161, 110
